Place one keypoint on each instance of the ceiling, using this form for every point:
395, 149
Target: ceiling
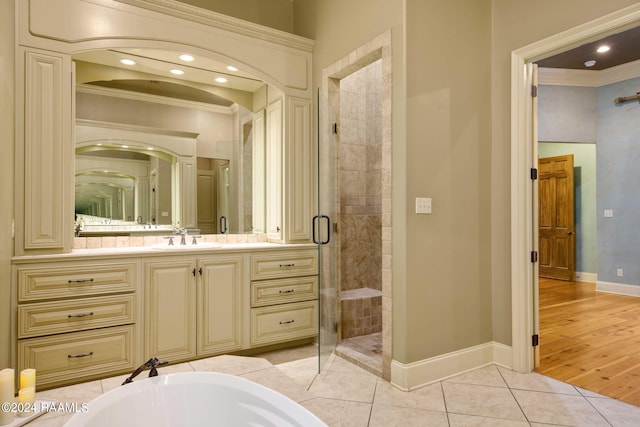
151, 74
625, 47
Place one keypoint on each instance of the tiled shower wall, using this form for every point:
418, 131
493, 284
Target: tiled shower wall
360, 179
360, 224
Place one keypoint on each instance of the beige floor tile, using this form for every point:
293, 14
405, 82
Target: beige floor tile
389, 416
471, 399
302, 371
234, 365
559, 409
487, 375
276, 380
50, 420
78, 393
459, 420
340, 413
344, 385
429, 397
536, 382
619, 414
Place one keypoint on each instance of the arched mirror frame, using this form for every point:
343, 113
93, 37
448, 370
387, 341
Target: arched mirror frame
280, 59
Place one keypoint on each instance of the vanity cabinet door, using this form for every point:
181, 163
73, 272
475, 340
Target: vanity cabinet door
220, 302
274, 171
44, 205
170, 309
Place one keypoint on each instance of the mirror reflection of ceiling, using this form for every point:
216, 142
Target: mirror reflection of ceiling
152, 73
624, 48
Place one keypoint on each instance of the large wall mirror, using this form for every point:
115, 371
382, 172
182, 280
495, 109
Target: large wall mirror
145, 118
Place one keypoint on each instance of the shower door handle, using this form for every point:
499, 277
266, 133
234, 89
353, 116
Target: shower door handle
317, 219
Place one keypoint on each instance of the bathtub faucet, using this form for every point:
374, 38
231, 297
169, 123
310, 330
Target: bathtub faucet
152, 364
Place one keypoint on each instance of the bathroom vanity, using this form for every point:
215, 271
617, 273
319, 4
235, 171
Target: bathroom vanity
79, 314
92, 314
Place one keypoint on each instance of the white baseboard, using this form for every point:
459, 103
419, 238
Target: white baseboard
581, 276
618, 288
413, 375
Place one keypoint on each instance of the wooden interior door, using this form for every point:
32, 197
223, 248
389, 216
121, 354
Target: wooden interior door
206, 196
556, 222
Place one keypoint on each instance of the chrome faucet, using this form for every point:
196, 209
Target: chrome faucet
183, 234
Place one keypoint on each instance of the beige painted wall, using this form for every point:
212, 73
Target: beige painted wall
6, 171
276, 14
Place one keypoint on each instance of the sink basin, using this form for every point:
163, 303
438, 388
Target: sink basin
188, 247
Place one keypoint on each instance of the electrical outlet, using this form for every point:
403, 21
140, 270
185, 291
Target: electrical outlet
423, 205
620, 272
608, 213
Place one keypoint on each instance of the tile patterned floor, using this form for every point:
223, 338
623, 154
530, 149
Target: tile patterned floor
347, 395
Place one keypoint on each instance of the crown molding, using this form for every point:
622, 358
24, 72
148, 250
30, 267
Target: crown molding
228, 23
156, 99
586, 78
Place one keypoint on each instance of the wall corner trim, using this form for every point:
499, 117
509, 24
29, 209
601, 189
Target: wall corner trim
409, 376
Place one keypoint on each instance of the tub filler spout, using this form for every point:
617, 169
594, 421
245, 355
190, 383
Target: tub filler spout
151, 364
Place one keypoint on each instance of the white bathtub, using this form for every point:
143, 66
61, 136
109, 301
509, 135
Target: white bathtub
194, 399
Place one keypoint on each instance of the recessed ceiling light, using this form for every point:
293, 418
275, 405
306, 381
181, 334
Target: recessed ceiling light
150, 148
221, 80
128, 61
177, 72
231, 68
590, 63
604, 48
186, 58
99, 144
124, 146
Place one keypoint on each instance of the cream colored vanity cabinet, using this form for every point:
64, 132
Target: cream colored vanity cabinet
193, 306
76, 319
44, 131
289, 170
284, 296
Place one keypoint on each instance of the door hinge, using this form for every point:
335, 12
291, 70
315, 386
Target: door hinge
534, 256
335, 128
535, 340
534, 173
534, 91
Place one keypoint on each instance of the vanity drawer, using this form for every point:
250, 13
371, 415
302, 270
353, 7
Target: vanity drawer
271, 292
284, 322
70, 358
46, 318
74, 280
284, 264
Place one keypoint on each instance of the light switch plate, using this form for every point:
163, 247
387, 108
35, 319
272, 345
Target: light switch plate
423, 205
608, 213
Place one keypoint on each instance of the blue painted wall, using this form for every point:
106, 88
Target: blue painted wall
618, 163
588, 115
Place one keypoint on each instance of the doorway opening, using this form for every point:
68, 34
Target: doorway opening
358, 90
524, 158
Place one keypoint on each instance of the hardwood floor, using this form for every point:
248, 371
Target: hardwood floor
590, 339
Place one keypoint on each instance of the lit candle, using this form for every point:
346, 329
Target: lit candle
26, 396
7, 394
28, 378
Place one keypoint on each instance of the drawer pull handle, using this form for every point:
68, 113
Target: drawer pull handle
286, 322
286, 291
287, 265
70, 316
78, 356
80, 280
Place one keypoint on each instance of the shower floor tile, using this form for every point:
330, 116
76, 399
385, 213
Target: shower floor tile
364, 351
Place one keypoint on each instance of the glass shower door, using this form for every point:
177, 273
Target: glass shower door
323, 227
